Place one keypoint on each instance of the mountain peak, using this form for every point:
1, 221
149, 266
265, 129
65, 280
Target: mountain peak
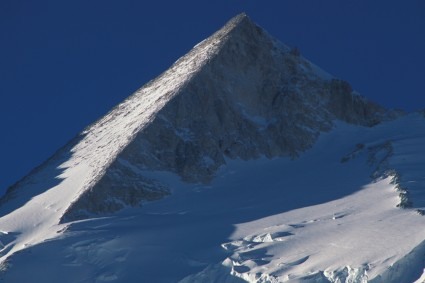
242, 26
246, 95
238, 94
238, 20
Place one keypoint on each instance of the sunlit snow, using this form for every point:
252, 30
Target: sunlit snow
284, 220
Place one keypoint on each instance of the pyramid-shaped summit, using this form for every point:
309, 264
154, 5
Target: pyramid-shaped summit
238, 94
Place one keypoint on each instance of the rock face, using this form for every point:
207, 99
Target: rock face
252, 96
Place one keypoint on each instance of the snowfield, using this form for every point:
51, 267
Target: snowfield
311, 219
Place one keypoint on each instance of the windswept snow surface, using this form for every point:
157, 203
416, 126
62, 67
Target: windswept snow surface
318, 218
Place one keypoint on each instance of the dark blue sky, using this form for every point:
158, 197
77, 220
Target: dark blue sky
63, 64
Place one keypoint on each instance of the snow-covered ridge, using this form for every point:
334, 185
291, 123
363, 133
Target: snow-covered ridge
54, 186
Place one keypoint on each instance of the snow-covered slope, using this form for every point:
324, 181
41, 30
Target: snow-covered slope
310, 219
264, 169
33, 208
362, 237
